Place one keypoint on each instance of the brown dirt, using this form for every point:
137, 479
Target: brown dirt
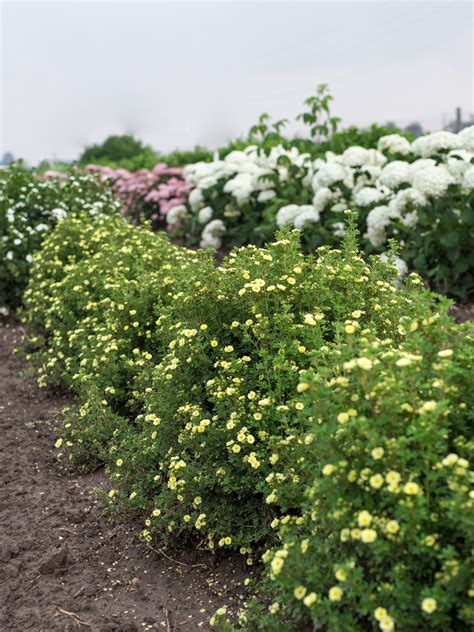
63, 565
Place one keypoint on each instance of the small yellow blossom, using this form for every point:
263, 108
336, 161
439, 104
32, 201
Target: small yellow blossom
335, 593
310, 599
377, 453
429, 605
376, 481
364, 363
411, 488
445, 353
299, 592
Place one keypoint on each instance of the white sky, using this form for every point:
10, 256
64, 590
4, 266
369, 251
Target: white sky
181, 73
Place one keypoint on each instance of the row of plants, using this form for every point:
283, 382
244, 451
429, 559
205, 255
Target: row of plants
30, 207
297, 407
419, 193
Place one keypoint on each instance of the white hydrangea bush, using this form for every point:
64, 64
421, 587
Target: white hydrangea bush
401, 189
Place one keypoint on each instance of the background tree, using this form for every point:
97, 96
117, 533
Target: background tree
114, 148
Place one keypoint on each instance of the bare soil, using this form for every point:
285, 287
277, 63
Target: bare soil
63, 565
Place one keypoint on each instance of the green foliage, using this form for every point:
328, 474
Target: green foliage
442, 246
29, 208
318, 117
270, 402
367, 137
114, 148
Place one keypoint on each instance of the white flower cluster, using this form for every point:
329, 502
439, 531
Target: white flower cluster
393, 188
390, 182
34, 207
246, 175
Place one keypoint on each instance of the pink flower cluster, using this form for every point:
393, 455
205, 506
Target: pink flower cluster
146, 194
50, 175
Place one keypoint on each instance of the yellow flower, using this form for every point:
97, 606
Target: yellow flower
271, 498
393, 526
299, 592
228, 348
350, 329
343, 418
368, 536
427, 407
364, 519
380, 613
236, 448
377, 453
445, 353
403, 362
273, 609
341, 575
310, 599
156, 512
364, 363
335, 593
387, 624
411, 489
393, 477
451, 459
345, 535
429, 605
376, 481
299, 406
302, 387
277, 565
328, 469
119, 462
214, 343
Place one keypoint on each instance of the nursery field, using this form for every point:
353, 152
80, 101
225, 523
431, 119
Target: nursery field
243, 392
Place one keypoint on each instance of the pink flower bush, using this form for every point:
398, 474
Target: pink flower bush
146, 194
50, 175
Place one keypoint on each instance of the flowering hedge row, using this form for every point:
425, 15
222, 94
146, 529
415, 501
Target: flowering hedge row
269, 405
420, 193
29, 209
146, 194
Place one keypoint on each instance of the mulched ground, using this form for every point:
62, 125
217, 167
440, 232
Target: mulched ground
63, 566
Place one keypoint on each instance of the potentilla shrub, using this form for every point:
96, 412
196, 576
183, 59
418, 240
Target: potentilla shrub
302, 401
376, 495
29, 208
96, 289
226, 389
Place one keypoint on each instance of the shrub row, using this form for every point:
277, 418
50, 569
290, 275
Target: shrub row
299, 406
29, 209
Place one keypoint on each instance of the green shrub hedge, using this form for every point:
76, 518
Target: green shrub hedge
300, 403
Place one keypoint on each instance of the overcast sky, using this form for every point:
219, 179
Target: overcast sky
177, 74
